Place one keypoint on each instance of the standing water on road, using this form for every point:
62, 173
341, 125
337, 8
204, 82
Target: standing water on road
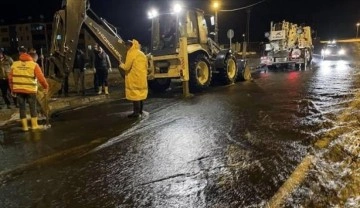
231, 146
333, 180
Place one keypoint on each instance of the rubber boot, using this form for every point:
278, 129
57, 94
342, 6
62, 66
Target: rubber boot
34, 124
24, 123
136, 106
106, 88
141, 107
100, 91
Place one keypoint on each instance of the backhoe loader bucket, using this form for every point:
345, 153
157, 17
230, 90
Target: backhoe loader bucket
54, 87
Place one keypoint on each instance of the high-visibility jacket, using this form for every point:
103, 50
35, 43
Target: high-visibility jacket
24, 75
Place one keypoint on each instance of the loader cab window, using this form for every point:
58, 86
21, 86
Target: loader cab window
203, 29
278, 26
168, 28
164, 33
191, 23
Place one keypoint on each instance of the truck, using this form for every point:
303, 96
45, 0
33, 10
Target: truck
289, 44
186, 52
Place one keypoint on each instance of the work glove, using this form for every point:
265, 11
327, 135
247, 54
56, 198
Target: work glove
109, 70
94, 70
13, 94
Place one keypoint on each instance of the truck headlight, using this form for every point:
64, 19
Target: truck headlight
268, 47
327, 52
341, 52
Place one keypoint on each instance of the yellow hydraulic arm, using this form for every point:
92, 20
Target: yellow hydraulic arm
67, 24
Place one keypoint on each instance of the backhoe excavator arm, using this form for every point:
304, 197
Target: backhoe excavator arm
67, 25
105, 36
66, 30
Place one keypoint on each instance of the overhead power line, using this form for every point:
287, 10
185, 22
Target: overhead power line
241, 8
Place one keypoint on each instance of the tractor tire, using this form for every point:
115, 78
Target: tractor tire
245, 74
229, 74
200, 73
159, 85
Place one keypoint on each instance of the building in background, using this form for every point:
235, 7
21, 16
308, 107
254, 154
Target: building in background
4, 37
34, 35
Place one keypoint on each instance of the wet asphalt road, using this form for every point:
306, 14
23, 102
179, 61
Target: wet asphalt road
232, 146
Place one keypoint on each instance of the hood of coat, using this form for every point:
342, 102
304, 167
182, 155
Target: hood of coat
135, 45
25, 57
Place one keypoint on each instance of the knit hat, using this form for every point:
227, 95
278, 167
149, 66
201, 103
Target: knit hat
22, 49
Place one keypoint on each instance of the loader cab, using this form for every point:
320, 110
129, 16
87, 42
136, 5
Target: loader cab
168, 28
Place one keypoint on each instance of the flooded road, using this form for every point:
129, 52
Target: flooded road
232, 146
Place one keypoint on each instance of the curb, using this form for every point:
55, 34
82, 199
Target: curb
60, 104
73, 103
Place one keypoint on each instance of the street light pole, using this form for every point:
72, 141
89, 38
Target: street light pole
216, 6
357, 29
248, 11
216, 27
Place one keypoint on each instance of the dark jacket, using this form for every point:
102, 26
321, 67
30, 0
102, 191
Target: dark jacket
5, 66
101, 61
80, 61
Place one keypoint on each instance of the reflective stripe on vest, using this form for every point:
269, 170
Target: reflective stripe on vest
24, 76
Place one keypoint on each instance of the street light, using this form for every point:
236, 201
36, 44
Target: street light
152, 13
177, 8
357, 29
216, 6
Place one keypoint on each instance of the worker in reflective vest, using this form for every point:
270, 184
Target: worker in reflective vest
23, 79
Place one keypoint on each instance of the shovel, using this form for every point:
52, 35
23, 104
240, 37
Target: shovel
46, 104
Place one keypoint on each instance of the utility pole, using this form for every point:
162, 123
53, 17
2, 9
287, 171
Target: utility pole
248, 12
357, 29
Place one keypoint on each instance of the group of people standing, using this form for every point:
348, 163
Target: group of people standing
101, 64
20, 79
135, 67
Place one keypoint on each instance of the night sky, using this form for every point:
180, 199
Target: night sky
329, 18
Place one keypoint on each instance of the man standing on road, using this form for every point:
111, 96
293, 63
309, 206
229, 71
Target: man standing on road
23, 79
135, 67
102, 67
5, 65
79, 72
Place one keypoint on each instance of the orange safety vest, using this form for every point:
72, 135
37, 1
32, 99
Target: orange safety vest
24, 76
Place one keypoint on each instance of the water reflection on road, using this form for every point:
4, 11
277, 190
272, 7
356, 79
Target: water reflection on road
232, 146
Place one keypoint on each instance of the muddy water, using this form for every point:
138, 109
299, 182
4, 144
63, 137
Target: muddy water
232, 146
